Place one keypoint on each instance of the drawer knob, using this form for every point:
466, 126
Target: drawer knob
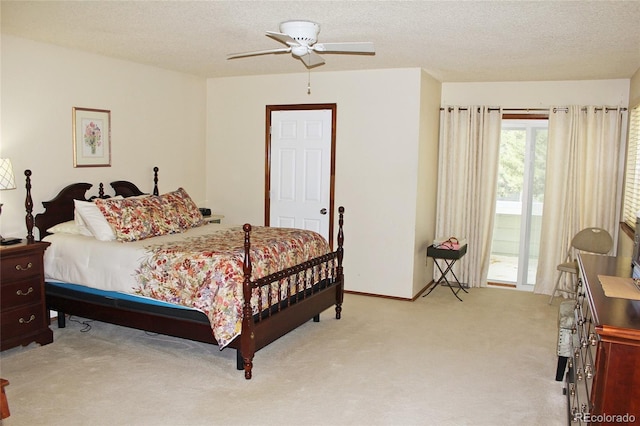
22, 293
589, 371
24, 268
24, 321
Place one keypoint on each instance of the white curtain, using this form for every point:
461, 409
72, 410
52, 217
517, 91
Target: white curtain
467, 181
581, 188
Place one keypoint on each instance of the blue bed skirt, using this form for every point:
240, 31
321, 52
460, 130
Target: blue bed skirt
116, 295
120, 300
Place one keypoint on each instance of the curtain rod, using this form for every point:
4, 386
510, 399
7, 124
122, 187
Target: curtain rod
534, 110
504, 109
606, 109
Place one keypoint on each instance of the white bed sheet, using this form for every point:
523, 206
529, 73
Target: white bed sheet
104, 265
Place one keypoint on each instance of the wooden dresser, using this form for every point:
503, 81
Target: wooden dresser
23, 315
603, 379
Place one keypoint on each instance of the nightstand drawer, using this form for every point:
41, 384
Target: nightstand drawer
20, 293
22, 321
20, 267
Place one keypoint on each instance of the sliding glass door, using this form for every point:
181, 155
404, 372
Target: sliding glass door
520, 195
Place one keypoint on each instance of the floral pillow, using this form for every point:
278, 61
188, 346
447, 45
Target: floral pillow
130, 218
136, 218
179, 206
163, 220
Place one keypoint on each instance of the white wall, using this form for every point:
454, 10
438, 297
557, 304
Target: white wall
378, 140
538, 94
426, 193
211, 134
634, 89
157, 119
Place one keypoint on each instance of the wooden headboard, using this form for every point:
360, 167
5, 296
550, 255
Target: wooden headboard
61, 208
128, 189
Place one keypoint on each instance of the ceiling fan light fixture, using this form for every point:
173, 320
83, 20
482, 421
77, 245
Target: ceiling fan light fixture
299, 50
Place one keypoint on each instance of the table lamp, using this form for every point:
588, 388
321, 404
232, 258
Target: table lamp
7, 181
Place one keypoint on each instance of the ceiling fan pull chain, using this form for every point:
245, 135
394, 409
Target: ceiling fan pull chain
309, 82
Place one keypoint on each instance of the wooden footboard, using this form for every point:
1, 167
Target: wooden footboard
301, 292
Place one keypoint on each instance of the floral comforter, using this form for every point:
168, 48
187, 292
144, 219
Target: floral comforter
205, 272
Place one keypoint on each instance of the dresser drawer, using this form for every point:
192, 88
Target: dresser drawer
21, 267
22, 321
19, 293
582, 364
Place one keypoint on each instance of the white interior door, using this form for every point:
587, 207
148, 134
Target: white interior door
300, 170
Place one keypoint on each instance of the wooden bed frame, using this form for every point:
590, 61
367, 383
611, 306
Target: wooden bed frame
257, 330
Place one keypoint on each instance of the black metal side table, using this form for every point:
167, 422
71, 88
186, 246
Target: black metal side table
449, 258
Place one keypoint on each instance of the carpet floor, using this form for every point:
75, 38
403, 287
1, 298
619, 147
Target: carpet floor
489, 360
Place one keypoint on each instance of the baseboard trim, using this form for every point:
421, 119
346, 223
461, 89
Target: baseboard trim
405, 299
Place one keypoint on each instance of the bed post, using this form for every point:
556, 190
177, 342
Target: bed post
28, 206
155, 181
247, 341
340, 251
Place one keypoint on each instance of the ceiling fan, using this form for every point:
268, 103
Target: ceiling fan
301, 39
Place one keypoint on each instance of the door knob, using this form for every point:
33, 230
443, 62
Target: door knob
323, 211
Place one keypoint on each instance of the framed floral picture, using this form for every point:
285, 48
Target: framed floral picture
91, 137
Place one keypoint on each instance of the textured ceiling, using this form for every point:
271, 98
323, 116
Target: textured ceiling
453, 41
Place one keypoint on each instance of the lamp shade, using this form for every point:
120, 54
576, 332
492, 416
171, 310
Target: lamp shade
7, 180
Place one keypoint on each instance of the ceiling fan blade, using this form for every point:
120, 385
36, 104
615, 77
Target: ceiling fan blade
258, 52
283, 38
357, 47
311, 59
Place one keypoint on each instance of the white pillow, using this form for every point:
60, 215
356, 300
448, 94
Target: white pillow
70, 227
89, 215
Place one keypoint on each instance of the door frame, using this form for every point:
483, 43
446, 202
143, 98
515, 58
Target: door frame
267, 167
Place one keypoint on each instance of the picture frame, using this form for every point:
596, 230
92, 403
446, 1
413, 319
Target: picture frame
91, 137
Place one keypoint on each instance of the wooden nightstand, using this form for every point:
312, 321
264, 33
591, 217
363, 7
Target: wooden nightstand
23, 314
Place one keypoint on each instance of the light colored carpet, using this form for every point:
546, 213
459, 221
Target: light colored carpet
489, 360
